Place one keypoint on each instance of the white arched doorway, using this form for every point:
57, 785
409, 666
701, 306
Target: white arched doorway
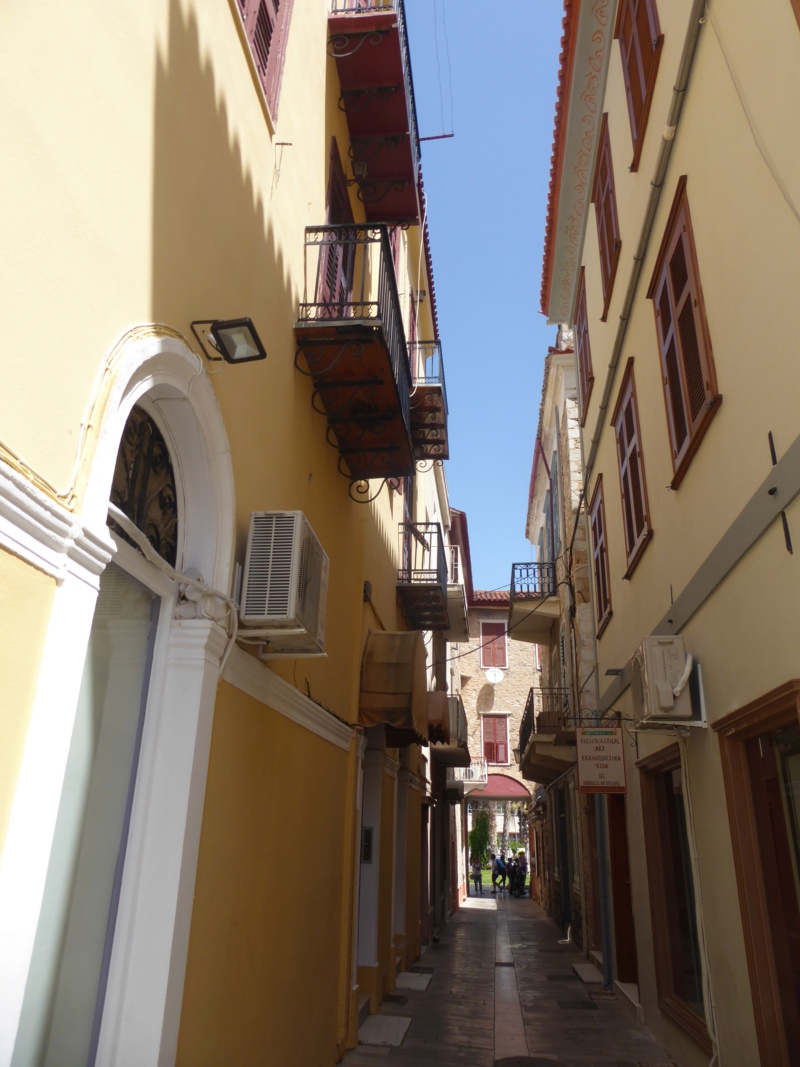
173, 656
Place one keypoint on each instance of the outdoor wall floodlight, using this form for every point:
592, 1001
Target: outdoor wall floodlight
236, 340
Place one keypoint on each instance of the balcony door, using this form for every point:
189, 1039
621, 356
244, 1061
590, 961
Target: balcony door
336, 263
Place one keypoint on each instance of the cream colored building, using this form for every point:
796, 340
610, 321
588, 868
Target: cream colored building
673, 238
171, 168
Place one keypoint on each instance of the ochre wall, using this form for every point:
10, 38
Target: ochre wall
265, 925
26, 598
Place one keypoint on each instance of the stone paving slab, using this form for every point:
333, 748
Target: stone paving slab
453, 1022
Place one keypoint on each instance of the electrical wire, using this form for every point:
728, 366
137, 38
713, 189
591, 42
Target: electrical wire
449, 66
438, 64
184, 581
506, 632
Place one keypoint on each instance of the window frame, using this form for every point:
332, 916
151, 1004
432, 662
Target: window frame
583, 348
597, 507
604, 198
496, 716
678, 230
635, 544
647, 77
269, 74
671, 1004
775, 710
485, 647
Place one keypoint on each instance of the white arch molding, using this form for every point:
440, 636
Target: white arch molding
145, 984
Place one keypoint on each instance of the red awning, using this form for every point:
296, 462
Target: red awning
501, 787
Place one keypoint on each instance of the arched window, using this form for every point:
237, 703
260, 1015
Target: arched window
144, 484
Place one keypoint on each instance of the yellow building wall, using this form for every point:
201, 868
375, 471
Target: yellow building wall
386, 959
268, 897
413, 872
748, 253
26, 598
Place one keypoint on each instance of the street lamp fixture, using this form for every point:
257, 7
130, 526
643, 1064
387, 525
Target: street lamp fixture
235, 340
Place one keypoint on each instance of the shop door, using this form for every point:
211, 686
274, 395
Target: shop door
624, 933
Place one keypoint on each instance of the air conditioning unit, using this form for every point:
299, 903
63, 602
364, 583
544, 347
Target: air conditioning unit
285, 585
660, 670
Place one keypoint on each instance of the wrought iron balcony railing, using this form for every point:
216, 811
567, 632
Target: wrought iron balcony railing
424, 561
478, 772
454, 570
422, 575
546, 711
427, 367
532, 581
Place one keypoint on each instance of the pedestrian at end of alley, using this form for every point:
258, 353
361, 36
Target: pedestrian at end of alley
477, 875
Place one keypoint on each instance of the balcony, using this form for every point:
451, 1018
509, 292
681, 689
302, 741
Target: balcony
456, 598
368, 40
454, 752
351, 343
422, 577
534, 602
428, 402
461, 781
546, 735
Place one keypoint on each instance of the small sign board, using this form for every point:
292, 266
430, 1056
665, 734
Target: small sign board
601, 760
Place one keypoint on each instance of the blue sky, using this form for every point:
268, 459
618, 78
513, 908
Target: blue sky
487, 198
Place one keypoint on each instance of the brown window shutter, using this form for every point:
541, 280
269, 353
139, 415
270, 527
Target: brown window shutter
501, 734
585, 376
605, 202
687, 364
493, 654
600, 556
635, 515
266, 24
640, 44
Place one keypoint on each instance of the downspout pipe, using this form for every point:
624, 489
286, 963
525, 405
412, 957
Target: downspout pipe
696, 20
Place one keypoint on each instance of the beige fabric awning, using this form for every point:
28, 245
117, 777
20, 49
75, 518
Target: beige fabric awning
394, 686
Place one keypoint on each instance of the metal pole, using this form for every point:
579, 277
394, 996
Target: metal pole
601, 836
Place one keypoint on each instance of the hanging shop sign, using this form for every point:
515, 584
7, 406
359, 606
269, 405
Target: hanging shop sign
601, 761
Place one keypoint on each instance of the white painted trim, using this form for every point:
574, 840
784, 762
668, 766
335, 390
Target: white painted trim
258, 681
145, 987
46, 535
390, 766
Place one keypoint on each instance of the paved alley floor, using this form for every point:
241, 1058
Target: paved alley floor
503, 991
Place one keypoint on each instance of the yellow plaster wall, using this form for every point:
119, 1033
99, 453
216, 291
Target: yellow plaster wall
268, 897
413, 864
26, 598
386, 961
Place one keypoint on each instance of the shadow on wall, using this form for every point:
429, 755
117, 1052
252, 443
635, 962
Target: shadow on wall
215, 255
485, 700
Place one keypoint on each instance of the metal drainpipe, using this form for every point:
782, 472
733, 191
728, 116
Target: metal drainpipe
696, 20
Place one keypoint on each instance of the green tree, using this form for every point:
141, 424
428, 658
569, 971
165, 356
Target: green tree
479, 837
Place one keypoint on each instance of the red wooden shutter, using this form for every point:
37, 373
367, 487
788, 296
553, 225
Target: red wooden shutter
640, 43
337, 258
266, 24
605, 202
686, 362
489, 752
631, 467
600, 556
586, 378
501, 738
493, 654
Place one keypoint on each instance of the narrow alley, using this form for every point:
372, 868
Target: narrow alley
499, 987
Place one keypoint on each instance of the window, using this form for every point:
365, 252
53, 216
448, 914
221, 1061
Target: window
687, 365
760, 750
640, 41
493, 654
602, 594
495, 738
635, 514
679, 980
266, 26
604, 199
585, 376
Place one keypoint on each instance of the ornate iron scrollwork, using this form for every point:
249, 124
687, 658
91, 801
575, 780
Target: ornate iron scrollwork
339, 43
144, 485
374, 192
363, 149
313, 355
359, 491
